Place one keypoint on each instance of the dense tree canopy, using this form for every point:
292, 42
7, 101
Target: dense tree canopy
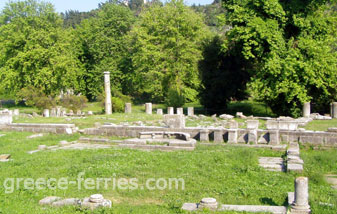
166, 48
291, 48
35, 50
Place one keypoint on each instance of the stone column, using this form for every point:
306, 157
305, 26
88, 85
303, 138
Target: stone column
58, 111
301, 203
180, 111
190, 111
218, 135
170, 110
160, 111
53, 112
108, 106
16, 112
306, 110
46, 113
204, 135
148, 108
128, 108
334, 110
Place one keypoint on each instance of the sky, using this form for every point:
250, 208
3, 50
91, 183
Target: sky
87, 5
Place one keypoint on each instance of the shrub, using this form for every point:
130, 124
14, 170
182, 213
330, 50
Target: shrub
74, 102
175, 98
117, 104
35, 97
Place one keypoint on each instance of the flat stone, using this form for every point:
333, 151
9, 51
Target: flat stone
253, 208
35, 136
91, 205
66, 202
190, 206
332, 180
295, 167
5, 157
226, 116
42, 147
49, 200
291, 198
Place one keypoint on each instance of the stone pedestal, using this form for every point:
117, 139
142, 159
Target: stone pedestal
6, 118
148, 108
301, 203
334, 110
128, 108
252, 124
232, 136
46, 113
209, 203
233, 124
180, 111
306, 110
170, 110
58, 111
174, 121
190, 111
108, 106
274, 137
204, 135
252, 136
160, 111
218, 135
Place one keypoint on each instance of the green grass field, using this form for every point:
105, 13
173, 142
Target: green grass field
230, 174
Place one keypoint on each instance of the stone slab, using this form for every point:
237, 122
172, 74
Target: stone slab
255, 208
294, 167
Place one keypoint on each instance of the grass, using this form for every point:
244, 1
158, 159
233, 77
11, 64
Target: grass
321, 125
230, 174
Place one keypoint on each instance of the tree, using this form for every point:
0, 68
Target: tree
290, 45
165, 50
35, 50
103, 47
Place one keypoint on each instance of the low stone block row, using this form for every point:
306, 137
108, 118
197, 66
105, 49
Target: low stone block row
294, 162
40, 128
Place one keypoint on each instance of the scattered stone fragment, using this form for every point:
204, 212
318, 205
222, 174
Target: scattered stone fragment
95, 201
332, 180
35, 114
226, 116
272, 163
67, 202
49, 200
35, 136
42, 147
209, 203
4, 158
64, 143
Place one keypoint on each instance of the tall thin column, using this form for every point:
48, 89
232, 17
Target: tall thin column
108, 107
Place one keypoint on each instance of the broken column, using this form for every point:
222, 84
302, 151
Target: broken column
6, 118
233, 132
209, 203
306, 109
204, 135
58, 111
174, 121
108, 106
170, 110
190, 111
334, 110
160, 111
148, 108
301, 203
180, 111
127, 108
46, 113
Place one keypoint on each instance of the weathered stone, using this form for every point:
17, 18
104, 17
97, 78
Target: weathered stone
252, 124
5, 157
128, 108
180, 111
87, 203
218, 135
6, 118
148, 108
209, 203
301, 203
58, 111
190, 111
78, 112
35, 136
226, 116
252, 136
108, 105
66, 202
53, 112
63, 113
16, 112
294, 167
64, 143
190, 206
272, 163
204, 135
49, 200
160, 111
255, 209
233, 124
334, 110
35, 114
42, 147
306, 109
272, 125
232, 135
170, 110
46, 112
274, 137
90, 113
174, 121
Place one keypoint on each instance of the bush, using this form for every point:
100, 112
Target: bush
175, 98
117, 104
74, 102
35, 97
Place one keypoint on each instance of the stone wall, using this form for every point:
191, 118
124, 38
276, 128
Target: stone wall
40, 128
316, 138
